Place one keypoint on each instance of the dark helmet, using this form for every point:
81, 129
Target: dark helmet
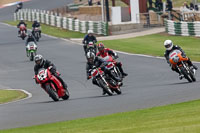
30, 36
90, 57
35, 21
100, 47
39, 60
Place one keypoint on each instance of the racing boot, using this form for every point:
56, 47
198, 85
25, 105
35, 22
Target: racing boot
181, 76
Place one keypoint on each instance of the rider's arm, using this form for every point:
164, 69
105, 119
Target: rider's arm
36, 70
167, 57
88, 73
85, 38
53, 69
179, 48
95, 40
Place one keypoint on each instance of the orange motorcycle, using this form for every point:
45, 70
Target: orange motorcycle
178, 61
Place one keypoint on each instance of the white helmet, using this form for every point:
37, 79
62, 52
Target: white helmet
168, 44
90, 31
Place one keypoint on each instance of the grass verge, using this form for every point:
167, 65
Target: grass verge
175, 118
153, 45
53, 31
11, 95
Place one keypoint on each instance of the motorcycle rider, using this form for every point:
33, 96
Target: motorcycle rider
89, 38
21, 22
40, 62
19, 6
96, 62
103, 52
30, 39
36, 24
169, 48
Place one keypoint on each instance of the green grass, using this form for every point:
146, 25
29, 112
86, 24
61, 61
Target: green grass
53, 31
176, 118
11, 95
153, 45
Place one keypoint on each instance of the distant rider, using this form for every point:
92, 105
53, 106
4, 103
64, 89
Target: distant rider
21, 22
169, 48
103, 52
19, 6
30, 39
96, 62
89, 38
36, 24
40, 62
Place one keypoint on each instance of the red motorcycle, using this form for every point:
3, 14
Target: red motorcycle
105, 82
112, 67
22, 29
51, 84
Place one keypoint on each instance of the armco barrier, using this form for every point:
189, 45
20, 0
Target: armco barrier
49, 18
182, 28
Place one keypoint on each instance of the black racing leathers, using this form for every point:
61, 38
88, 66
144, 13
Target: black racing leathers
31, 39
46, 64
21, 22
98, 63
36, 25
88, 39
167, 52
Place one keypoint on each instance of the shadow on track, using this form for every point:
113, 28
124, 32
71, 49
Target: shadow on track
73, 99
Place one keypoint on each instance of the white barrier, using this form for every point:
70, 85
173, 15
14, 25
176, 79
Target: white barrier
72, 24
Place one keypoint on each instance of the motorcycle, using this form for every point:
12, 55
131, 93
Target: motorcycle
31, 50
36, 33
51, 84
22, 29
105, 82
177, 60
114, 69
91, 47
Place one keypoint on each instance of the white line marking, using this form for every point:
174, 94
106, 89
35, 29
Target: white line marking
26, 92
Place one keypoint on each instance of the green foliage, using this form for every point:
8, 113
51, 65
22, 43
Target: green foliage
153, 45
176, 118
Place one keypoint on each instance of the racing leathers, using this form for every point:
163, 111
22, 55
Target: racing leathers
21, 22
109, 52
46, 64
89, 38
176, 47
36, 25
98, 62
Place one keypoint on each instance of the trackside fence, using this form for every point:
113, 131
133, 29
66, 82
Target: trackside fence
182, 28
53, 19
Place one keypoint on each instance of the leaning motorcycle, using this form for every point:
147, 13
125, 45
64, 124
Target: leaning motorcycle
36, 33
114, 69
179, 61
51, 84
107, 84
22, 29
31, 50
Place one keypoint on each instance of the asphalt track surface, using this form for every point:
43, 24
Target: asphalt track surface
150, 83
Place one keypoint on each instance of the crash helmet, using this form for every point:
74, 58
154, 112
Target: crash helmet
90, 57
100, 47
39, 60
168, 44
